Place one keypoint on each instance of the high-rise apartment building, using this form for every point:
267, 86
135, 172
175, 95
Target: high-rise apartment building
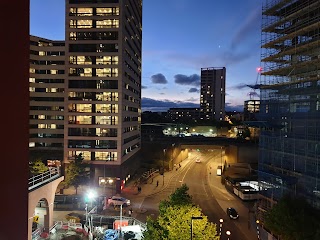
212, 93
290, 102
103, 85
46, 87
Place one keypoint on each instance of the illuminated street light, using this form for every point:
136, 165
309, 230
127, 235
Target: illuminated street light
258, 231
192, 218
228, 234
90, 196
220, 230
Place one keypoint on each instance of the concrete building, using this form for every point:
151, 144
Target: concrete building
180, 114
46, 87
212, 93
251, 109
103, 83
290, 107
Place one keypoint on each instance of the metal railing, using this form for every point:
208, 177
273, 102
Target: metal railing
40, 179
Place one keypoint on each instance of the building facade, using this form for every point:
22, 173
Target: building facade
103, 85
290, 102
251, 109
46, 87
180, 114
212, 93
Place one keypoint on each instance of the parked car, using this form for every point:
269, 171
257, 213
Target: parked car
232, 213
117, 201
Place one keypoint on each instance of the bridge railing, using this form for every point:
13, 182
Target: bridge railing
43, 178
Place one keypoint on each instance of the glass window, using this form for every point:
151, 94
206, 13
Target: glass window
107, 11
109, 23
83, 23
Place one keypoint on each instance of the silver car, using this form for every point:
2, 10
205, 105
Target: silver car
117, 201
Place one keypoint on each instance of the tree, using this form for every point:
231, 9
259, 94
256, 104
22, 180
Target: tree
37, 167
293, 219
174, 220
77, 173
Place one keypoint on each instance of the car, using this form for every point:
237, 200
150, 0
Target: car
232, 213
117, 201
198, 160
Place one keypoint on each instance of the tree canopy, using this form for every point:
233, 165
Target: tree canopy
77, 173
174, 220
293, 219
37, 167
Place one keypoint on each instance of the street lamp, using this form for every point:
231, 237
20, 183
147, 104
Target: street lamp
164, 154
192, 218
228, 234
90, 195
221, 156
120, 224
220, 230
258, 232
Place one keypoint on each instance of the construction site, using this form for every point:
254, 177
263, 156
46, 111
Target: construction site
289, 102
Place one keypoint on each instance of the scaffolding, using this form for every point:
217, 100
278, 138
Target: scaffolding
290, 99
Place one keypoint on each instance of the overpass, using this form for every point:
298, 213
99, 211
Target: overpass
43, 187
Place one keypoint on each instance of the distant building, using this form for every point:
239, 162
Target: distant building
212, 93
46, 87
178, 114
251, 108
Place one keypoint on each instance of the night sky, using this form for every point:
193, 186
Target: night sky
179, 38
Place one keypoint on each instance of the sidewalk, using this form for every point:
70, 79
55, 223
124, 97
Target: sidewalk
152, 186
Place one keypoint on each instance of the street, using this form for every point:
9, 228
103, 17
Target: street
207, 192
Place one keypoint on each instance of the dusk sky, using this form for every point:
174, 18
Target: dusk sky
179, 38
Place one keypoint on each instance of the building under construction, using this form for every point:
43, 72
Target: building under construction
290, 102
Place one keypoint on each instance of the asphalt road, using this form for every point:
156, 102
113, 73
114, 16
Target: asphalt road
207, 192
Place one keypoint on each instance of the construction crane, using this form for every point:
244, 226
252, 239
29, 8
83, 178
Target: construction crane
256, 86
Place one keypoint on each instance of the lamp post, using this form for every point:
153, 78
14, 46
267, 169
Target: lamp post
191, 227
228, 234
86, 213
164, 154
258, 231
220, 230
120, 224
221, 155
90, 196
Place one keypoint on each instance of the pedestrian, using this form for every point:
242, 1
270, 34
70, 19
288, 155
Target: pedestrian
179, 165
157, 183
124, 212
130, 212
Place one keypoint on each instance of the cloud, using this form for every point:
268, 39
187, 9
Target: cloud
192, 90
149, 104
143, 87
182, 79
239, 86
230, 108
159, 79
249, 26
